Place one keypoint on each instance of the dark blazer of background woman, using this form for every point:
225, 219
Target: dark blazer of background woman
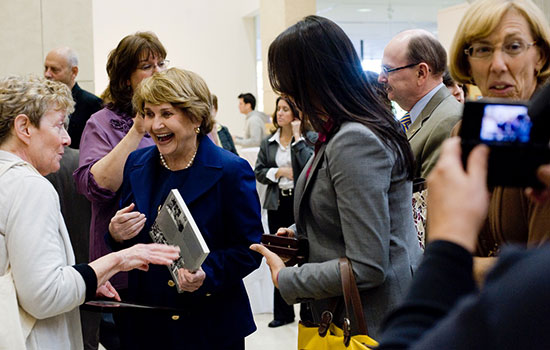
299, 155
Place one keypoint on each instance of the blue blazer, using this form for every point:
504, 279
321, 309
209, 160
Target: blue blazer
220, 192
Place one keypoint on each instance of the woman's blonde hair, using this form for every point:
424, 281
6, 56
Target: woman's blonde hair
481, 19
31, 96
182, 89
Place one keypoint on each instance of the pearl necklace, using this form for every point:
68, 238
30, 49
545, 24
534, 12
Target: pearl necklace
163, 161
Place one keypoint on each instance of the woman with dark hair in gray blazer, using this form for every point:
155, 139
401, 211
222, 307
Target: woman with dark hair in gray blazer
281, 159
354, 197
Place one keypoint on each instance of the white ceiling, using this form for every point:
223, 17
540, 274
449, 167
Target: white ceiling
377, 21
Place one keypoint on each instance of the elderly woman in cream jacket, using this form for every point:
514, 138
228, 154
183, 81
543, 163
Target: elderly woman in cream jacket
34, 242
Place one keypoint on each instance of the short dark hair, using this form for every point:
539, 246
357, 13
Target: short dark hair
314, 62
248, 98
426, 48
449, 81
122, 62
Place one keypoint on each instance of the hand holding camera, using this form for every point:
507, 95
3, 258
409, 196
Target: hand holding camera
517, 135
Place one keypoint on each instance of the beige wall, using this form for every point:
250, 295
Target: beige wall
544, 5
30, 28
448, 20
275, 17
214, 38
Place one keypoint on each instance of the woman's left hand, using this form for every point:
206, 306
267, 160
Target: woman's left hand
191, 281
273, 261
107, 290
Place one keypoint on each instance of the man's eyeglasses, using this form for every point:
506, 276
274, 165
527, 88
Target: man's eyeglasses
387, 70
512, 49
162, 65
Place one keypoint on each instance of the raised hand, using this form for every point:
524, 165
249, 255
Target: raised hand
139, 124
296, 132
126, 224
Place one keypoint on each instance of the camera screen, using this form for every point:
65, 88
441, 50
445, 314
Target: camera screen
505, 123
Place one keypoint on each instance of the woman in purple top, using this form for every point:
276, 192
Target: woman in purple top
112, 134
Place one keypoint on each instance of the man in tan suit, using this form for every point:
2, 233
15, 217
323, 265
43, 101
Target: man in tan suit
413, 78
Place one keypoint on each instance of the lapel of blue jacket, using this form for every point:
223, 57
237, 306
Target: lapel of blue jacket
303, 183
426, 113
205, 172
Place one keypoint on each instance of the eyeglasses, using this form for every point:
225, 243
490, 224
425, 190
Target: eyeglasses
512, 49
387, 70
162, 65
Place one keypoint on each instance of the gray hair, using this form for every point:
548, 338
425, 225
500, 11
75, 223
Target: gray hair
31, 96
69, 54
72, 58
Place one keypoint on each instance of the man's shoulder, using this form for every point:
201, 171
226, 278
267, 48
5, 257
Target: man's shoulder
444, 107
449, 110
83, 96
256, 117
91, 98
261, 115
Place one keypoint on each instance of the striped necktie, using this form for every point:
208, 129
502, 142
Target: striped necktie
405, 121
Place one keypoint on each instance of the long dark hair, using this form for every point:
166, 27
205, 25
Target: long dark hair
314, 63
122, 62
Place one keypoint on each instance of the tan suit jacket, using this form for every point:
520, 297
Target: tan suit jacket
431, 128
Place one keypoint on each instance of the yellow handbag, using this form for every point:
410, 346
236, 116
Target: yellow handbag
328, 336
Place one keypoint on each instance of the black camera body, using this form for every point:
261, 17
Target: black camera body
516, 134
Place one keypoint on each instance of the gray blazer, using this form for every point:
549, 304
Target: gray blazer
299, 155
431, 128
356, 203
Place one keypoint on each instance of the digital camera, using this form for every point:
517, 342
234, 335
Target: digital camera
517, 138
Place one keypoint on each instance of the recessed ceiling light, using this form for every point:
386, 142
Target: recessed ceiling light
364, 10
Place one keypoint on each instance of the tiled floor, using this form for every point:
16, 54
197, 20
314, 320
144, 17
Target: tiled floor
265, 338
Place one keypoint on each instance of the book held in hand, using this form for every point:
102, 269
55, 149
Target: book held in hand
175, 226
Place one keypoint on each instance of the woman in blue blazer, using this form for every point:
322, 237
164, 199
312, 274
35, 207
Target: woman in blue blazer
219, 190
